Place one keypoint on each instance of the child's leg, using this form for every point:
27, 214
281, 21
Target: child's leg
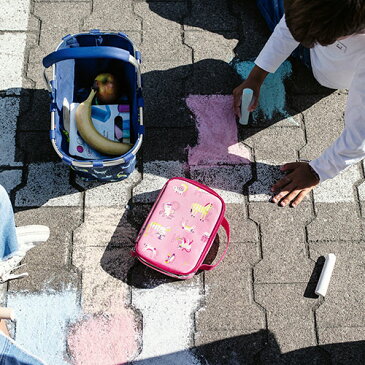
273, 11
8, 240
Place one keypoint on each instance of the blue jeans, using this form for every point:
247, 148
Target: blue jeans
8, 240
273, 11
12, 354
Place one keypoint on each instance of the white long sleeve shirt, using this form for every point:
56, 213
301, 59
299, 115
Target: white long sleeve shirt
340, 65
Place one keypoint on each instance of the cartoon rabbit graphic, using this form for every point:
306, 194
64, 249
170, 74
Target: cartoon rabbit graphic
167, 210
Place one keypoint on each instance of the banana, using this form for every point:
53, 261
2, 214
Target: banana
91, 136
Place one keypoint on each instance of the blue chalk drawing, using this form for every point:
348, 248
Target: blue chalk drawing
272, 94
42, 320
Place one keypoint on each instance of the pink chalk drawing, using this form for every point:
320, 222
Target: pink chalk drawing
218, 136
103, 339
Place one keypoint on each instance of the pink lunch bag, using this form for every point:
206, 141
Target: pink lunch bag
180, 229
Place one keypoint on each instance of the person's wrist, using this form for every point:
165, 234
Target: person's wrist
313, 172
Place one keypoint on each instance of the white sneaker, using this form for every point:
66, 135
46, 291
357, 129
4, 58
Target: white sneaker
28, 237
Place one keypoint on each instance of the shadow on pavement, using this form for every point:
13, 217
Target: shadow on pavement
262, 348
170, 126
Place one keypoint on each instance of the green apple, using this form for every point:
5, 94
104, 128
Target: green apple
107, 87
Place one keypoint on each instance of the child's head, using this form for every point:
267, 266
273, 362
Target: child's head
324, 21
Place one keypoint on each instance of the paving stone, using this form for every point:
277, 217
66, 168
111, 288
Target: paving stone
14, 17
332, 223
162, 37
12, 45
102, 270
231, 190
43, 279
26, 151
9, 109
54, 28
155, 147
56, 251
276, 145
114, 16
323, 121
340, 188
112, 225
210, 76
10, 179
155, 174
109, 194
211, 45
345, 345
34, 114
242, 228
290, 322
213, 16
283, 243
253, 30
164, 86
267, 175
343, 305
229, 286
48, 186
229, 347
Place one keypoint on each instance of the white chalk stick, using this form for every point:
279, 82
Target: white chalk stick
326, 274
247, 95
7, 313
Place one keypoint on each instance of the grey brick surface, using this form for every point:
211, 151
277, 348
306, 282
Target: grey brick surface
342, 307
345, 345
285, 257
213, 16
229, 347
162, 34
290, 324
55, 253
332, 223
230, 189
323, 118
43, 279
242, 228
58, 19
234, 292
277, 145
116, 16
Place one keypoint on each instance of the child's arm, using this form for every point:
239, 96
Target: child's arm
349, 148
276, 50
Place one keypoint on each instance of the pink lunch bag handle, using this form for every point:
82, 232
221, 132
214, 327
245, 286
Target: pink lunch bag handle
225, 225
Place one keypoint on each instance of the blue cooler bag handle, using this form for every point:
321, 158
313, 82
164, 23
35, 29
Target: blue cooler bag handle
90, 52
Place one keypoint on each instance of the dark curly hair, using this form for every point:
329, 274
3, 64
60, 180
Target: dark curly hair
324, 21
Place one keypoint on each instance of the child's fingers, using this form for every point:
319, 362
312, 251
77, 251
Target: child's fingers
237, 105
253, 104
289, 197
299, 198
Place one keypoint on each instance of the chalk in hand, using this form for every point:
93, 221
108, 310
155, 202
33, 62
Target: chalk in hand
326, 274
247, 95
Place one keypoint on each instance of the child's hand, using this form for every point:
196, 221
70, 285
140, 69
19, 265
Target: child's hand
253, 82
292, 188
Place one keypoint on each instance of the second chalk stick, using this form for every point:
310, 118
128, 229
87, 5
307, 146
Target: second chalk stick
324, 279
